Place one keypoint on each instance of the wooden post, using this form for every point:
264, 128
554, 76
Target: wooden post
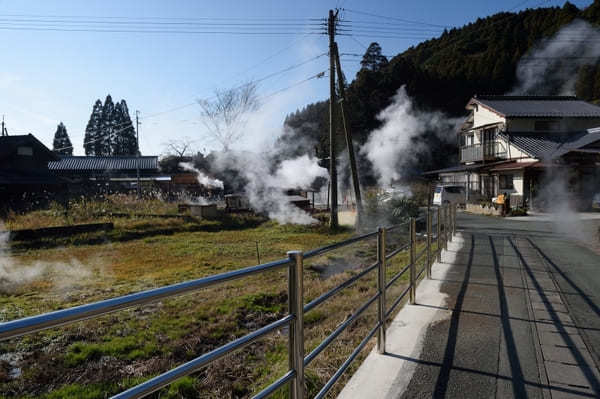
333, 215
348, 133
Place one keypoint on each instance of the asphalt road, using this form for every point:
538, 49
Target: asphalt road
524, 322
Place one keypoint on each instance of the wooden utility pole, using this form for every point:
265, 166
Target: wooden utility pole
348, 133
333, 213
137, 163
3, 132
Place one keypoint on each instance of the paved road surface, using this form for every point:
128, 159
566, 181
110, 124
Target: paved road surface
521, 319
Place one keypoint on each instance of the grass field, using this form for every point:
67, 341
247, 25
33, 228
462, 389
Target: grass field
104, 356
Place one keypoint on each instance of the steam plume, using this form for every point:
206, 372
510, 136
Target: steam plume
393, 145
14, 275
551, 68
265, 187
201, 177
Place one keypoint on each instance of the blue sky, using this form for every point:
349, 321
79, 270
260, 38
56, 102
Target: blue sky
48, 76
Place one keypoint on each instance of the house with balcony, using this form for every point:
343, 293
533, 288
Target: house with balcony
510, 144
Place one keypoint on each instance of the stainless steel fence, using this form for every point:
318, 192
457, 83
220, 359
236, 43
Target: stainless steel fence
445, 227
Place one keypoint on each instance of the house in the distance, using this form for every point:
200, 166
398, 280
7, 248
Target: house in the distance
108, 173
24, 174
508, 144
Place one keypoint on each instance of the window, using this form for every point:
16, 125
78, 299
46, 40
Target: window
25, 151
506, 182
454, 189
546, 126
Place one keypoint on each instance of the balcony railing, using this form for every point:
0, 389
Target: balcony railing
479, 152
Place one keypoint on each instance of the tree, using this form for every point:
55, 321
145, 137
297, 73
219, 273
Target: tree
110, 131
62, 144
179, 147
373, 60
107, 127
91, 141
225, 116
124, 140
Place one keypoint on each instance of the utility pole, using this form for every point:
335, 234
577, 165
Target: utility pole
348, 133
3, 132
333, 215
137, 163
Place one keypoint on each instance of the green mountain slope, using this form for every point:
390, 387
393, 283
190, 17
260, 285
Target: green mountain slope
443, 73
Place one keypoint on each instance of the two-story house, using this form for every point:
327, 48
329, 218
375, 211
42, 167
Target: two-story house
508, 142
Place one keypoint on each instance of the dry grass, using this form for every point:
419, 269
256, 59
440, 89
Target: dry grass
91, 358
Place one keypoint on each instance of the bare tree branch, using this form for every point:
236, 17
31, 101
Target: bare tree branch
226, 116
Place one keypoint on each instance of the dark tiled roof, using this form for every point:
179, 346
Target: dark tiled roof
539, 106
83, 163
9, 144
552, 145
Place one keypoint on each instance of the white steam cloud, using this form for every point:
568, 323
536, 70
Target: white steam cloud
14, 275
201, 177
265, 187
392, 145
554, 63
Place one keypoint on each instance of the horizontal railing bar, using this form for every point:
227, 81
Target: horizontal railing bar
346, 363
325, 343
396, 302
397, 251
397, 276
396, 226
160, 381
421, 254
328, 248
317, 301
268, 391
44, 321
420, 273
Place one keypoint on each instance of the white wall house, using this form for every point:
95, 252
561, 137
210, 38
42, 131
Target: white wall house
507, 142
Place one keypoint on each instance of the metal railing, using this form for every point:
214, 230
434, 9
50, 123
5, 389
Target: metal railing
479, 152
294, 320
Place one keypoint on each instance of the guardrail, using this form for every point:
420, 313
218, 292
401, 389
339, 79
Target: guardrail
445, 229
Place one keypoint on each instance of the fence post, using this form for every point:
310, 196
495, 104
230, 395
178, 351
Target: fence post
381, 289
439, 234
446, 228
413, 273
428, 242
296, 334
450, 221
454, 220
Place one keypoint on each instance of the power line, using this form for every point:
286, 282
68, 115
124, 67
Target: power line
287, 69
157, 31
395, 18
110, 17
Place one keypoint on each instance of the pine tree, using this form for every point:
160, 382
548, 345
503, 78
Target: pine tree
373, 59
107, 127
127, 142
91, 141
62, 144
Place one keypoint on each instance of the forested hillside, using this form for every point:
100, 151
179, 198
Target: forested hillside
443, 73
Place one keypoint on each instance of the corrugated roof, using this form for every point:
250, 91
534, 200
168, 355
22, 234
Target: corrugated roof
552, 145
84, 163
539, 106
